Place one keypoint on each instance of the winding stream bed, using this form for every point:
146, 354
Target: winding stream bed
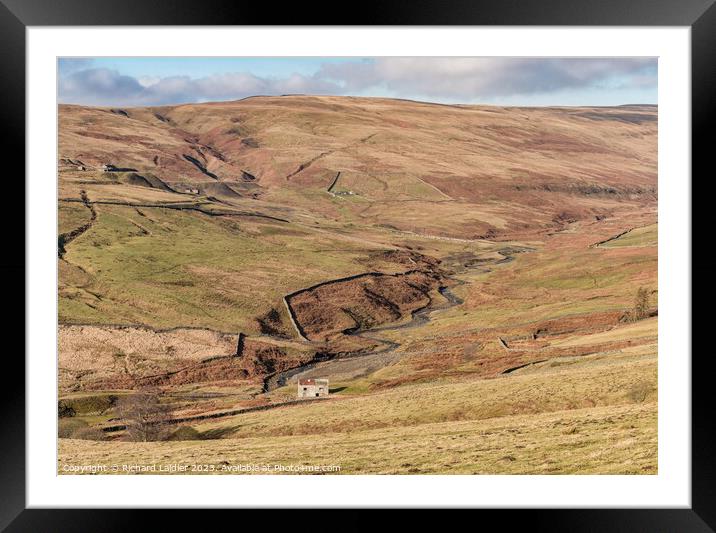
418, 318
375, 359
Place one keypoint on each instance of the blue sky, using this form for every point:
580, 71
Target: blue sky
125, 81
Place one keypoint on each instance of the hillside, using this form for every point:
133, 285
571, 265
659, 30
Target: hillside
404, 250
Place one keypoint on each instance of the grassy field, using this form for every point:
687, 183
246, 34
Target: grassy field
71, 216
644, 236
612, 440
596, 415
163, 267
602, 383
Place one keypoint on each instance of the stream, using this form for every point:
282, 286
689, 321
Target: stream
419, 317
382, 357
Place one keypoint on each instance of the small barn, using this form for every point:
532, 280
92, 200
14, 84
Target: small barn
312, 388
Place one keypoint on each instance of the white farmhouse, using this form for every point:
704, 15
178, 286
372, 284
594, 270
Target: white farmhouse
312, 388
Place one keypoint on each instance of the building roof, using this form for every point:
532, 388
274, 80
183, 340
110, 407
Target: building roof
312, 381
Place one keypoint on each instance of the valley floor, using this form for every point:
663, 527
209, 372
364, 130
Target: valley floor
596, 414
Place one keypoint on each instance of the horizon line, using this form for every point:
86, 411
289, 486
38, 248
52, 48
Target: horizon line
288, 95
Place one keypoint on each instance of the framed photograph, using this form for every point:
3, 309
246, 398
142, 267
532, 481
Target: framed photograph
431, 257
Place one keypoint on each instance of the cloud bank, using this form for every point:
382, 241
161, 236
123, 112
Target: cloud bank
467, 80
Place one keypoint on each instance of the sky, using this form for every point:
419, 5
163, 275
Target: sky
144, 81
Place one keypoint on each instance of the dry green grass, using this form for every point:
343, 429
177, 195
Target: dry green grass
71, 216
595, 415
647, 328
165, 268
604, 440
562, 277
599, 383
644, 236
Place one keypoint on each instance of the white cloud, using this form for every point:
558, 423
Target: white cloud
98, 87
109, 87
480, 77
441, 79
146, 81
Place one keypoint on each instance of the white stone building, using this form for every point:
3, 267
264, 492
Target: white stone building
312, 388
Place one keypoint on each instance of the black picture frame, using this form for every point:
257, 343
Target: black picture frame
16, 15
